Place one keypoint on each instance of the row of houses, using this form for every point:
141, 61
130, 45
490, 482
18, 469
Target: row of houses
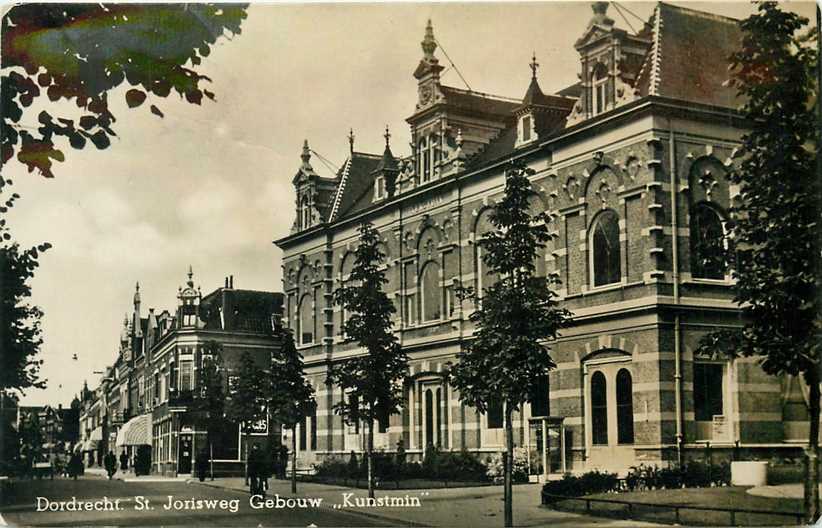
145, 399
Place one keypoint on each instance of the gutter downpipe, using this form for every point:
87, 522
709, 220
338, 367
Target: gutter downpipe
675, 262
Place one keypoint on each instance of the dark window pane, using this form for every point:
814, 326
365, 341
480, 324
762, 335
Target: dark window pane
495, 414
606, 258
625, 408
306, 320
526, 128
707, 243
429, 417
599, 409
539, 398
707, 391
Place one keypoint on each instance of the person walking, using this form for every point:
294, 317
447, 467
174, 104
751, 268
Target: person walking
110, 462
201, 464
75, 466
123, 461
255, 470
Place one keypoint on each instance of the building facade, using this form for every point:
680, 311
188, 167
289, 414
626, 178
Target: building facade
152, 388
630, 164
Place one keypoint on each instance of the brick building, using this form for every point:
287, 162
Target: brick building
631, 162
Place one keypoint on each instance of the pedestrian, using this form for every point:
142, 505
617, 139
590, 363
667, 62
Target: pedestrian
123, 461
255, 470
75, 466
283, 460
201, 464
110, 462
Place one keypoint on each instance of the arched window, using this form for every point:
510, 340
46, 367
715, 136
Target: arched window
625, 407
604, 248
599, 409
485, 278
305, 213
306, 320
429, 416
707, 243
425, 160
599, 89
345, 273
431, 292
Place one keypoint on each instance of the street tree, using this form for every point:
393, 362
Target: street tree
20, 332
515, 317
210, 405
373, 380
291, 396
248, 395
773, 243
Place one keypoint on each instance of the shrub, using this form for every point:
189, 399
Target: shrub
585, 484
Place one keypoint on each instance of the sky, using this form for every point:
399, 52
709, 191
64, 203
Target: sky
210, 186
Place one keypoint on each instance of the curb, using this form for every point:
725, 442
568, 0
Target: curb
381, 517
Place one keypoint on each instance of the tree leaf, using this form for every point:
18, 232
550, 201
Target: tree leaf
156, 111
135, 97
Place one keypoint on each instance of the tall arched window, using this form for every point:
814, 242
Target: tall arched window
625, 407
345, 272
305, 213
598, 89
306, 320
599, 409
485, 278
431, 292
429, 417
604, 248
425, 160
707, 243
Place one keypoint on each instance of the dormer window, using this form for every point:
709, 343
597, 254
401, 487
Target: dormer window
526, 128
599, 93
379, 188
305, 213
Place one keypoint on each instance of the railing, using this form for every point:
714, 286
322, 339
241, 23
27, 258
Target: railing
629, 512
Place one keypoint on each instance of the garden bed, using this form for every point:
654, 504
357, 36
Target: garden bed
690, 506
402, 484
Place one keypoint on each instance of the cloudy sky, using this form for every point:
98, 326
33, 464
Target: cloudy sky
210, 186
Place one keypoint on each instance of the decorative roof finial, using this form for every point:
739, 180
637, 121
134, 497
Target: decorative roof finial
137, 293
534, 65
306, 155
429, 43
190, 275
387, 136
351, 140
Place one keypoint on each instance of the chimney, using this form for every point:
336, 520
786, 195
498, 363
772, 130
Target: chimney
231, 281
226, 282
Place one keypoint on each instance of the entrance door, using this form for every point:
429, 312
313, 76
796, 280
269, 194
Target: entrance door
610, 417
184, 458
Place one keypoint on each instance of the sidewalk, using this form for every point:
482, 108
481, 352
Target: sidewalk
474, 507
782, 491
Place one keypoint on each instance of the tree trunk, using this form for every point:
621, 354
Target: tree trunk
294, 459
246, 458
370, 453
812, 459
509, 468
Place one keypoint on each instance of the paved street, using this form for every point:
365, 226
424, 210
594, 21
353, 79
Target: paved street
21, 510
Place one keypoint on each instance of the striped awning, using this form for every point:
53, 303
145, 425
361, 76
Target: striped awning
136, 431
90, 445
96, 435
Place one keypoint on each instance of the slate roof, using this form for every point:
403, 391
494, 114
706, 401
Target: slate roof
356, 189
242, 310
477, 102
689, 57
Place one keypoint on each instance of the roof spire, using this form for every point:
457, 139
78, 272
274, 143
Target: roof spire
306, 155
137, 293
534, 65
190, 275
387, 136
429, 43
351, 140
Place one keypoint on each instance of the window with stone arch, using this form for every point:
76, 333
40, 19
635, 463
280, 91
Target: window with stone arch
430, 292
306, 319
708, 242
604, 249
536, 206
424, 160
484, 277
625, 407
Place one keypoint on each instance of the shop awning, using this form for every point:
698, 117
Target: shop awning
136, 431
90, 445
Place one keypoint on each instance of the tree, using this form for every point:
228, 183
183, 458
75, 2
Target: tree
773, 236
20, 333
292, 397
514, 317
81, 52
210, 406
248, 395
373, 381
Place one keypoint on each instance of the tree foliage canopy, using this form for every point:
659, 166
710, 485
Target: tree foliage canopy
248, 393
774, 232
80, 52
516, 315
291, 396
373, 380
